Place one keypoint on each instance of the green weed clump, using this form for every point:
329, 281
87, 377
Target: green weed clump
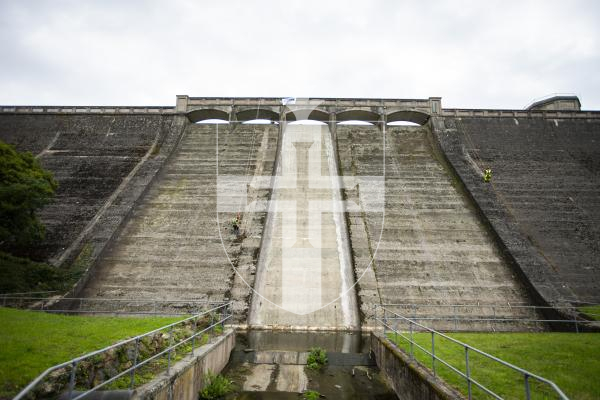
311, 395
317, 358
216, 387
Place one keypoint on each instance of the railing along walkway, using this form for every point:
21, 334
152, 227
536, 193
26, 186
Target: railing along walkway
391, 321
462, 317
193, 329
92, 305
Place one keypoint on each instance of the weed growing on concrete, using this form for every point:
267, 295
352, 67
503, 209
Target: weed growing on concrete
216, 387
317, 358
311, 395
155, 150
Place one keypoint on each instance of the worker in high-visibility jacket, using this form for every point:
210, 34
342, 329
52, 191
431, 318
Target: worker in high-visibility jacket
235, 224
487, 175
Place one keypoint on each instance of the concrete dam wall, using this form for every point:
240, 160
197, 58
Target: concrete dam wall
90, 156
431, 249
173, 247
544, 198
140, 195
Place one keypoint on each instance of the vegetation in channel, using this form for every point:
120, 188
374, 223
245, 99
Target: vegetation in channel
317, 358
217, 386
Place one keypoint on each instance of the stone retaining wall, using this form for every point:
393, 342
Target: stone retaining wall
187, 376
409, 379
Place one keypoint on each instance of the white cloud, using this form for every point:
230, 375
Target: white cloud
498, 54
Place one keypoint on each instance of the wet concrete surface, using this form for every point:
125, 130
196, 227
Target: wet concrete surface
339, 342
286, 379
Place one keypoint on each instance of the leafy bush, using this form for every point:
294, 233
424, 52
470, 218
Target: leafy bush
311, 395
22, 275
216, 387
24, 187
317, 358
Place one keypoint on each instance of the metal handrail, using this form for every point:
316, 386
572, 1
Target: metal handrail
225, 315
467, 374
493, 306
13, 294
495, 318
480, 305
44, 304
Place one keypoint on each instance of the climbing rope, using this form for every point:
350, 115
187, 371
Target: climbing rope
247, 169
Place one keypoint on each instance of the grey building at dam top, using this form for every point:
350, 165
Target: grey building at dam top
140, 203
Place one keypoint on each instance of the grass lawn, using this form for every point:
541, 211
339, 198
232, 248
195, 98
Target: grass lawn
592, 311
571, 360
33, 341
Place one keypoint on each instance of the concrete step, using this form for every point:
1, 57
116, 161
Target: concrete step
433, 248
286, 357
171, 247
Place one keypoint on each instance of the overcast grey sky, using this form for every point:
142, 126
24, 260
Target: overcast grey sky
497, 54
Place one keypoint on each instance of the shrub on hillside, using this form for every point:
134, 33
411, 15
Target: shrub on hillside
24, 188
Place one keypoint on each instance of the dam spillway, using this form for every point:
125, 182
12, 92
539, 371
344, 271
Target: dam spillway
304, 274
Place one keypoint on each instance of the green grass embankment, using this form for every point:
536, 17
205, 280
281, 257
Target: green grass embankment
570, 360
32, 341
591, 311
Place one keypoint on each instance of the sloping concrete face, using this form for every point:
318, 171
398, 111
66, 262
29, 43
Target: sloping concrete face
89, 155
171, 247
304, 275
433, 249
544, 197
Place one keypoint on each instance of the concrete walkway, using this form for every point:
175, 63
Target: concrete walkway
305, 266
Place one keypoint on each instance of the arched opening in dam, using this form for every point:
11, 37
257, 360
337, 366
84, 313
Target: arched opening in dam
416, 117
212, 121
355, 122
307, 122
259, 121
207, 114
403, 123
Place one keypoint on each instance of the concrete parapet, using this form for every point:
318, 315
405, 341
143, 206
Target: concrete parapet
187, 377
408, 378
87, 110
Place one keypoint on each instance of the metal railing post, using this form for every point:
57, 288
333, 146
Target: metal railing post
433, 352
195, 328
455, 319
170, 350
222, 315
576, 325
135, 357
212, 323
468, 370
384, 322
72, 380
527, 391
412, 351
